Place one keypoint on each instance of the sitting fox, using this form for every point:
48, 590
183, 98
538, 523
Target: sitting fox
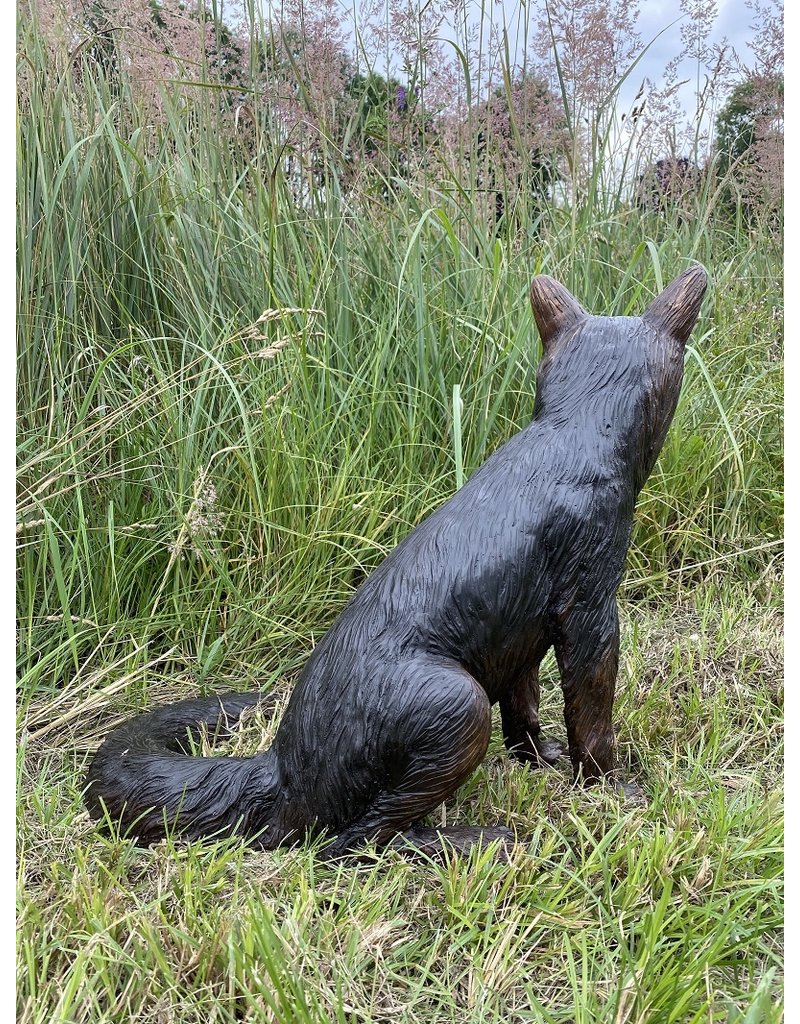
392, 711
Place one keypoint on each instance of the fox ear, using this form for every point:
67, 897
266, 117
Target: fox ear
676, 309
553, 308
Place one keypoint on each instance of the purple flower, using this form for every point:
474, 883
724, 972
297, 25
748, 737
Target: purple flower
401, 98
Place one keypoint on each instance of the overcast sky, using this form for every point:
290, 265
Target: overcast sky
732, 23
657, 25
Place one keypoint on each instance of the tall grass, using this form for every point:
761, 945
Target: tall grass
231, 406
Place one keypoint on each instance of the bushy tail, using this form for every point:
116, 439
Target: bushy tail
144, 782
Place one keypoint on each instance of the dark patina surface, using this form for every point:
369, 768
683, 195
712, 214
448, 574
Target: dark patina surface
392, 711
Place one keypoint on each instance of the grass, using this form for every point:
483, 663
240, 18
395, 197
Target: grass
671, 913
201, 486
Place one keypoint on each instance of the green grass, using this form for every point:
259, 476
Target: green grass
201, 486
670, 913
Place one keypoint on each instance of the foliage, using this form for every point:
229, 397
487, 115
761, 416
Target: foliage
520, 143
668, 185
750, 143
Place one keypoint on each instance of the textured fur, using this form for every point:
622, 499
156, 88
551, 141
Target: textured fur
392, 711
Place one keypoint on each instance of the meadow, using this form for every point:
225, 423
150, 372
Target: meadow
232, 403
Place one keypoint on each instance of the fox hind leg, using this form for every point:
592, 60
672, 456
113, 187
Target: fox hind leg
439, 737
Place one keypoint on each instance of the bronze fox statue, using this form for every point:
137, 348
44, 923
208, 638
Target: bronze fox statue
392, 711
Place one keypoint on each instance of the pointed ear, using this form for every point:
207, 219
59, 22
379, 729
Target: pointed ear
676, 309
553, 308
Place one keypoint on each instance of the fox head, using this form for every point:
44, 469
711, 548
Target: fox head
616, 378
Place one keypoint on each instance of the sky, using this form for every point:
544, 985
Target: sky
657, 26
732, 23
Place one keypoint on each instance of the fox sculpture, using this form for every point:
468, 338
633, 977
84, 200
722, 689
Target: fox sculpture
392, 711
